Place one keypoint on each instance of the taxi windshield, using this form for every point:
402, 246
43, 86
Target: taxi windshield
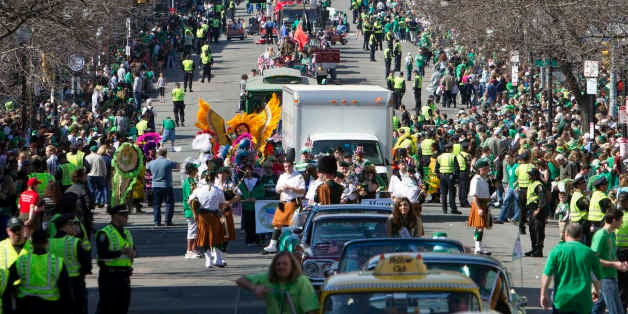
485, 277
371, 149
432, 302
356, 255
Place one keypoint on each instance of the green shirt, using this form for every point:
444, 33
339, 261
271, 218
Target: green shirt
604, 245
186, 190
571, 264
301, 292
168, 124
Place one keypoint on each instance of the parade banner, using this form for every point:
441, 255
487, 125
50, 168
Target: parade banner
264, 212
377, 201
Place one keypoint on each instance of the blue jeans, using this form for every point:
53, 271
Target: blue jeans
98, 189
511, 201
165, 195
609, 298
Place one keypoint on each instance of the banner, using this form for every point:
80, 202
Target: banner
377, 201
264, 212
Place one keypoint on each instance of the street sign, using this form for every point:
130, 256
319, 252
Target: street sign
76, 62
515, 75
591, 86
591, 68
545, 62
623, 115
514, 56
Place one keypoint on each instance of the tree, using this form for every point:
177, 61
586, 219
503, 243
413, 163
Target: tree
59, 28
569, 31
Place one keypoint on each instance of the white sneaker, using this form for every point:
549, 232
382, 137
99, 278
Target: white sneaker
189, 255
208, 259
272, 247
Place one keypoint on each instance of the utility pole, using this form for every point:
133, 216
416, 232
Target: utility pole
550, 96
612, 94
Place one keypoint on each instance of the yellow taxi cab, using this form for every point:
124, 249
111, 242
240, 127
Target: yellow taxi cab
400, 283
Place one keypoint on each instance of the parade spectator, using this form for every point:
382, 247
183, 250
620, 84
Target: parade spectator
161, 171
404, 222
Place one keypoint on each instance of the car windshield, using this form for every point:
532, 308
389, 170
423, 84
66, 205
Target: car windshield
485, 277
371, 149
355, 255
401, 302
339, 231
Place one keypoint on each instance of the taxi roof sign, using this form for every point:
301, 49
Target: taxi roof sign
400, 265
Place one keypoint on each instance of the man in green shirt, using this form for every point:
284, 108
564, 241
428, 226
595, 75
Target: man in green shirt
570, 265
604, 245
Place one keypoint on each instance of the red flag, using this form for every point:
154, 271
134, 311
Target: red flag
300, 36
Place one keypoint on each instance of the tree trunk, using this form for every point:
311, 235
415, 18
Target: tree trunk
584, 101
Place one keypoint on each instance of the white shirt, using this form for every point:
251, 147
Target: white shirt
209, 198
293, 180
479, 187
404, 187
311, 190
249, 183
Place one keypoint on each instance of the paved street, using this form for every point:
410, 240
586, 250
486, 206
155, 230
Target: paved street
165, 282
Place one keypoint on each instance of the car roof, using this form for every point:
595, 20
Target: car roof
461, 258
409, 240
368, 281
350, 207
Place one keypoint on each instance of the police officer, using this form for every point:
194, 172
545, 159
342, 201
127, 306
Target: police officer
522, 182
65, 172
426, 152
598, 205
206, 60
448, 171
76, 257
417, 84
399, 88
188, 72
579, 207
387, 59
535, 205
43, 279
397, 55
390, 81
367, 29
116, 251
372, 46
378, 29
389, 37
178, 95
464, 160
15, 245
355, 9
215, 29
200, 38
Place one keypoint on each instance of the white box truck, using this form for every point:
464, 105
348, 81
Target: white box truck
330, 116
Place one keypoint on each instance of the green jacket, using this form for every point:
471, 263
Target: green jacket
257, 193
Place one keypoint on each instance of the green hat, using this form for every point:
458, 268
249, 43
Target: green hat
437, 235
482, 163
93, 148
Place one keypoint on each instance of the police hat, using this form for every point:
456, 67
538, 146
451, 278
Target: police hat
15, 223
579, 179
121, 209
534, 172
64, 219
601, 180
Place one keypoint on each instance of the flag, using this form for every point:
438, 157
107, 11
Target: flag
300, 36
516, 250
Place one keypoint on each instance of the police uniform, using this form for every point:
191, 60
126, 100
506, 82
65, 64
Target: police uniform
598, 205
579, 209
417, 84
387, 60
399, 88
397, 55
463, 159
523, 181
206, 60
42, 280
535, 200
378, 29
188, 73
114, 278
178, 96
76, 256
372, 46
448, 170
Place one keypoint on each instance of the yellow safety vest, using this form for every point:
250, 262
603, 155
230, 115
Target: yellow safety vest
426, 147
67, 247
576, 214
66, 173
206, 58
425, 112
523, 179
4, 279
199, 33
178, 94
399, 81
8, 254
188, 65
622, 233
446, 163
462, 162
595, 211
39, 274
117, 242
45, 178
76, 159
204, 48
532, 197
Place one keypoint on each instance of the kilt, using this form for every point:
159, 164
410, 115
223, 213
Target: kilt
475, 219
283, 214
210, 230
